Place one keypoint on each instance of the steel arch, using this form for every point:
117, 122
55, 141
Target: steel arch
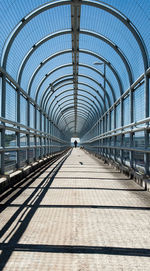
70, 95
72, 107
69, 65
82, 90
80, 83
99, 5
60, 105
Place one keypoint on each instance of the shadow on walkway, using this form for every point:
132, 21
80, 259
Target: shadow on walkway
122, 251
26, 214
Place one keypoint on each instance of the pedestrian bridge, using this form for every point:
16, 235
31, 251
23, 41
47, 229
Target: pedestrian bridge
74, 69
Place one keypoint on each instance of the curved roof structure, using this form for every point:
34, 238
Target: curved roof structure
74, 59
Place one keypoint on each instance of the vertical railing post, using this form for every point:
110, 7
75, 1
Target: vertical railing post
18, 134
48, 132
28, 135
131, 121
3, 113
147, 111
3, 101
41, 148
122, 136
109, 128
115, 150
35, 126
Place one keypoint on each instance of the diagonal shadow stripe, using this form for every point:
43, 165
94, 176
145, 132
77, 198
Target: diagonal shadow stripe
135, 208
92, 188
122, 251
90, 178
26, 217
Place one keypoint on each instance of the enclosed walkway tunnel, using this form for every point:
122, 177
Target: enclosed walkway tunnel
75, 69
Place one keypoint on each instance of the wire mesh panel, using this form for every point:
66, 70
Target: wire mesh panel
126, 107
23, 110
139, 103
38, 119
32, 115
10, 161
112, 119
10, 139
11, 103
23, 158
118, 116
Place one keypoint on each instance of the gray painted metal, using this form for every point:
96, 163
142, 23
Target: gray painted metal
70, 95
82, 31
68, 65
62, 109
68, 90
91, 79
116, 49
70, 107
99, 5
49, 95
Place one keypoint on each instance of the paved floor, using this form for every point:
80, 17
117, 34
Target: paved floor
89, 217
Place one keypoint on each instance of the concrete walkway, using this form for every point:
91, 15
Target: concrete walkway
89, 217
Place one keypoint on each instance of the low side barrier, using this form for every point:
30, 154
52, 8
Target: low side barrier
11, 179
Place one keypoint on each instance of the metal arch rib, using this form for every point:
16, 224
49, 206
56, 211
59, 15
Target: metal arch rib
80, 110
48, 94
71, 118
51, 109
60, 105
65, 121
83, 111
116, 49
81, 119
127, 23
49, 74
42, 64
82, 83
35, 47
64, 66
90, 78
69, 107
103, 60
80, 114
82, 31
23, 22
113, 93
82, 90
69, 51
99, 5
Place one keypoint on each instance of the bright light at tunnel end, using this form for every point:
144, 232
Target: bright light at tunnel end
75, 138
